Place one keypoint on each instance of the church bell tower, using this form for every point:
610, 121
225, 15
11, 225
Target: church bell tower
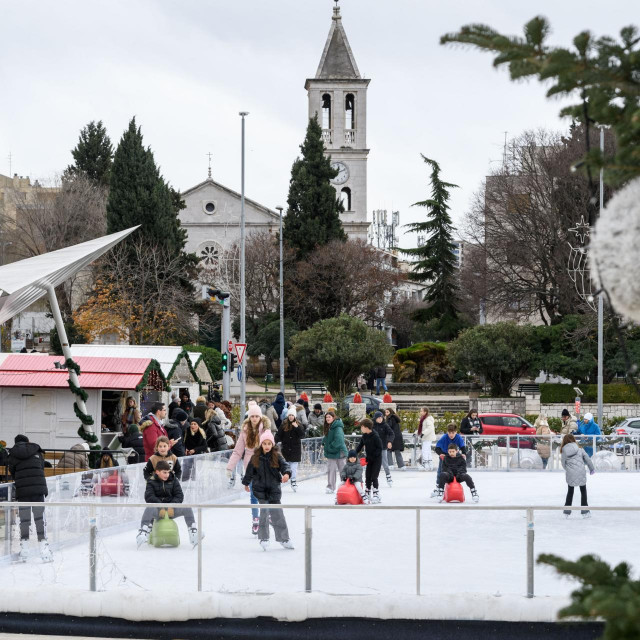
338, 97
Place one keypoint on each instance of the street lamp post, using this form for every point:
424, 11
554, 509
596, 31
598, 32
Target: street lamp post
601, 305
281, 310
243, 378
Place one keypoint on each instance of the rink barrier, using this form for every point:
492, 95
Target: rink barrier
308, 529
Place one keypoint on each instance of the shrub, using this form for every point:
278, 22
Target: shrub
422, 362
565, 394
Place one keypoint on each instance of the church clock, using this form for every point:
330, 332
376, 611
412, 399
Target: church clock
343, 172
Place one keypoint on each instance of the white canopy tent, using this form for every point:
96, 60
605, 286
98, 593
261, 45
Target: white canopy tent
24, 282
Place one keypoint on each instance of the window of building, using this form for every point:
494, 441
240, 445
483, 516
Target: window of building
209, 254
349, 112
326, 111
345, 198
209, 207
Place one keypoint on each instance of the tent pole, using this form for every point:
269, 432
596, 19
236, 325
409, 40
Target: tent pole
66, 350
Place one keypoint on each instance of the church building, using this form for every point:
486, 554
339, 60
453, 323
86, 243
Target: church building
338, 96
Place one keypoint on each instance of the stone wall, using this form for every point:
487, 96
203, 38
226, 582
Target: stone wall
608, 410
502, 405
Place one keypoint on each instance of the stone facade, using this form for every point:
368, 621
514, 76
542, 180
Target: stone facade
608, 410
357, 410
502, 405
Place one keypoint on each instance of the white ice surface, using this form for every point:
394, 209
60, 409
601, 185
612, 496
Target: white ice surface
473, 561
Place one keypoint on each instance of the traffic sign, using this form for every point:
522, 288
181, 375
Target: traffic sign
230, 345
240, 350
239, 372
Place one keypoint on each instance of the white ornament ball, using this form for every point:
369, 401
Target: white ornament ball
614, 249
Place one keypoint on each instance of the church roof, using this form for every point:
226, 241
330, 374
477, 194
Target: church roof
337, 58
237, 195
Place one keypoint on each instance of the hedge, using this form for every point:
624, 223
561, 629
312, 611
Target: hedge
565, 394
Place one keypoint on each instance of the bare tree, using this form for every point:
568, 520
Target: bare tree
45, 220
139, 296
520, 224
349, 277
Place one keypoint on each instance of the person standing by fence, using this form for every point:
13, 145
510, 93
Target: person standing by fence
573, 461
26, 467
426, 435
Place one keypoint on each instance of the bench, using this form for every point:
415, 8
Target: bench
55, 471
530, 387
53, 455
320, 387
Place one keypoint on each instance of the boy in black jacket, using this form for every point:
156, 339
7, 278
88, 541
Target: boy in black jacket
371, 441
164, 488
455, 466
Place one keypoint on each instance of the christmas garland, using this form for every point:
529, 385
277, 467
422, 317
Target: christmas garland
153, 366
86, 420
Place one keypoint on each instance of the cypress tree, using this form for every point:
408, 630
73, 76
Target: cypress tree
139, 195
313, 214
434, 262
93, 155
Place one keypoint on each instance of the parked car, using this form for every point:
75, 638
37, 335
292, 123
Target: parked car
372, 402
505, 424
630, 427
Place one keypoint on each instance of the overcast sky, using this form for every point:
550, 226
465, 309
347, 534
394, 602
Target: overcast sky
185, 69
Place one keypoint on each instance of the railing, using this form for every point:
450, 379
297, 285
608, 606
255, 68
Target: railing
326, 136
91, 523
349, 137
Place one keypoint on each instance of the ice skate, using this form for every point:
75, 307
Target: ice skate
389, 480
586, 515
365, 498
287, 544
435, 493
375, 499
231, 483
474, 495
441, 497
45, 551
143, 535
566, 514
255, 525
264, 544
193, 536
24, 551
294, 485
328, 490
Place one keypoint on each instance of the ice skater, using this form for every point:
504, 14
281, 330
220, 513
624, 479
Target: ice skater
372, 443
385, 432
442, 447
573, 461
353, 471
426, 435
290, 436
266, 472
455, 466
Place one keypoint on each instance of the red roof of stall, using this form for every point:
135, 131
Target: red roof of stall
27, 370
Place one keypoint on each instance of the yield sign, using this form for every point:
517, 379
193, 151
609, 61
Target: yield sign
240, 349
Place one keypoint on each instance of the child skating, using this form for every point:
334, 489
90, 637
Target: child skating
442, 447
573, 461
455, 466
266, 472
373, 445
353, 471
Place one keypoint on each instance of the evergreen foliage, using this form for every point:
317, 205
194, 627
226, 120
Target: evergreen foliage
93, 155
500, 352
313, 214
602, 72
339, 349
434, 262
605, 593
140, 195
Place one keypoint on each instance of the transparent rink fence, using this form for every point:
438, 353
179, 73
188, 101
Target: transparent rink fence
204, 480
490, 550
531, 453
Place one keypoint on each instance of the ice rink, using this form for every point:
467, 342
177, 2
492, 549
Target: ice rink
363, 550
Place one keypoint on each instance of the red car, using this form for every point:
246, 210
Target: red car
505, 424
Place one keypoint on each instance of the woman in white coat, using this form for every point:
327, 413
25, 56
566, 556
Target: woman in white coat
426, 435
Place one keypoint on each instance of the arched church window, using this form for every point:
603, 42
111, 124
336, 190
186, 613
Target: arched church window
326, 111
209, 254
349, 112
345, 198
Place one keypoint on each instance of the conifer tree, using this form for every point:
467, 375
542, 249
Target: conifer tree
139, 195
434, 262
313, 214
93, 155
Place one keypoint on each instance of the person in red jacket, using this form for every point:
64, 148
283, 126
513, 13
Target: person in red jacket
152, 428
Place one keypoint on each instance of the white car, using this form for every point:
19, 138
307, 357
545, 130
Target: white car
630, 427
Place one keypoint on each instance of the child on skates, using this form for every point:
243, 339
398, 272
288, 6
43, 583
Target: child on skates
266, 472
353, 471
455, 466
371, 441
573, 461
